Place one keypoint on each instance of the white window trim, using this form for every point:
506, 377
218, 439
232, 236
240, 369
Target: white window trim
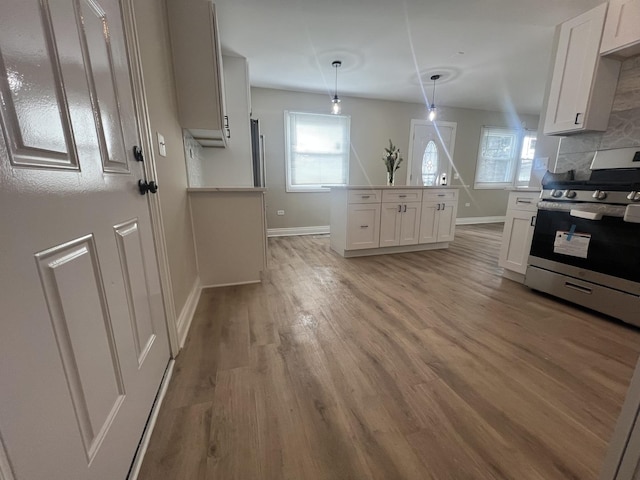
287, 161
522, 132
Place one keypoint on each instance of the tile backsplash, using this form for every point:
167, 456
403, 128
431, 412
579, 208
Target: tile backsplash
577, 151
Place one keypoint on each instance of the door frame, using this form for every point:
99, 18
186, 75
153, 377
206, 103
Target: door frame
149, 166
436, 124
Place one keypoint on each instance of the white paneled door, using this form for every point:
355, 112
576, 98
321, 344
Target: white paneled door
83, 342
431, 152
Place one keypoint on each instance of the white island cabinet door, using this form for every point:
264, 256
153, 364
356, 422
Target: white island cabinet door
410, 226
447, 221
429, 222
363, 226
390, 224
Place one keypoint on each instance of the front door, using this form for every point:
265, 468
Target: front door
83, 342
431, 153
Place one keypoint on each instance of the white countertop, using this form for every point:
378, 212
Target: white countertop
226, 189
524, 189
394, 187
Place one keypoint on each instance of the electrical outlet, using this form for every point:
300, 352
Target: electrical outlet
467, 204
280, 212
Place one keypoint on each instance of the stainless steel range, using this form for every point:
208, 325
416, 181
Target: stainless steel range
586, 241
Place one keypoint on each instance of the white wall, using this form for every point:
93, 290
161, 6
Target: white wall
151, 20
373, 123
232, 166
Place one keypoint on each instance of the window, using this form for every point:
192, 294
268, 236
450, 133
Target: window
317, 151
505, 157
430, 164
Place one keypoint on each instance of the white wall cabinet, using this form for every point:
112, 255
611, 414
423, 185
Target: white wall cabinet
197, 66
438, 216
391, 219
518, 233
583, 83
621, 36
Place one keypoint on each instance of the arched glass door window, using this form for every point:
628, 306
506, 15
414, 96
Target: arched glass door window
430, 164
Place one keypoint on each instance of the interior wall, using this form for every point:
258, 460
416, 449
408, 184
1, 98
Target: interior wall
151, 20
232, 166
373, 123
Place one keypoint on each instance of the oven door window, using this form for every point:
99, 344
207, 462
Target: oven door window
613, 246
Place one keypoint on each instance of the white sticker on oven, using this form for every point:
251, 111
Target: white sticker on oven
571, 243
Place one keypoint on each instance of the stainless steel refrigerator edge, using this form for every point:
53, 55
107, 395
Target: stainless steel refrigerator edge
257, 154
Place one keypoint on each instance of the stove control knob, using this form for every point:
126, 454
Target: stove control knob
599, 195
570, 194
634, 196
556, 193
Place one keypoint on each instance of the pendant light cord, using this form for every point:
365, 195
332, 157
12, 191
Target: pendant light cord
433, 93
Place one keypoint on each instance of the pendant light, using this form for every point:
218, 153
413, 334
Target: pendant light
432, 108
336, 108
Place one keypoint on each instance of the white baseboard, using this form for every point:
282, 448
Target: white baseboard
289, 232
153, 417
189, 309
478, 220
235, 284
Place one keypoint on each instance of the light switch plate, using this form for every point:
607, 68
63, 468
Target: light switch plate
162, 147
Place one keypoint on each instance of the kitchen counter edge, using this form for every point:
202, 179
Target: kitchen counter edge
394, 187
225, 189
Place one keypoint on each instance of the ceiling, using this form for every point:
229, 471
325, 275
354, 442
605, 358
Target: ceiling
492, 54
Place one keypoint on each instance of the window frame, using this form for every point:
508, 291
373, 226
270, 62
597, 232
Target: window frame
516, 162
289, 188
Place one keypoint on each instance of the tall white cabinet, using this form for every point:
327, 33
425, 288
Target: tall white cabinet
517, 234
373, 221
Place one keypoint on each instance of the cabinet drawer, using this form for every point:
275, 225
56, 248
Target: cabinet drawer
527, 201
365, 196
440, 195
402, 196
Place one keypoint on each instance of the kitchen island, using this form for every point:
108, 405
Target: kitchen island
375, 220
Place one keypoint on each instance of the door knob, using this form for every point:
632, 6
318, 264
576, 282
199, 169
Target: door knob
146, 187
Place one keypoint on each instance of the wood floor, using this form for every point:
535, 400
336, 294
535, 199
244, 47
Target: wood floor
413, 366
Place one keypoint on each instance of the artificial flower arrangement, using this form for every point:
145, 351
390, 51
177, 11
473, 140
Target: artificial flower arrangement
392, 161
